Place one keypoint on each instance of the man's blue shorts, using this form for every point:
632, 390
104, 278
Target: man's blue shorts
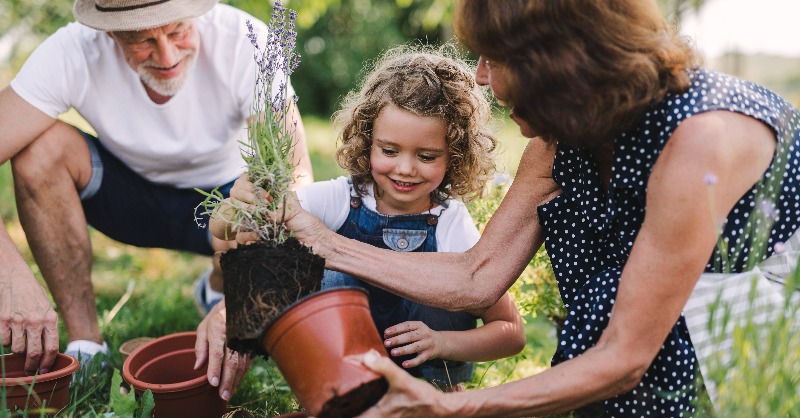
133, 210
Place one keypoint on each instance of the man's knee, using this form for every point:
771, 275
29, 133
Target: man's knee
60, 150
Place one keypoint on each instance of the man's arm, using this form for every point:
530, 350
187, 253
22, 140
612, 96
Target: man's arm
20, 124
303, 172
28, 322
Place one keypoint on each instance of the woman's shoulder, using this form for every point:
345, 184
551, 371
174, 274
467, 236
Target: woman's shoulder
709, 91
712, 90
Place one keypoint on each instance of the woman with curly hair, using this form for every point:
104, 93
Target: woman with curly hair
414, 139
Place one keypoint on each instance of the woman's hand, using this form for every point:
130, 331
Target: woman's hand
307, 228
407, 396
225, 366
414, 337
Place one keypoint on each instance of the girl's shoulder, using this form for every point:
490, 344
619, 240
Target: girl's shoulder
456, 230
329, 200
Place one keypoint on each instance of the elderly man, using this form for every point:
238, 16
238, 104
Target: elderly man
168, 86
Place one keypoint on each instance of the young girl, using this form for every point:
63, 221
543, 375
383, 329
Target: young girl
414, 138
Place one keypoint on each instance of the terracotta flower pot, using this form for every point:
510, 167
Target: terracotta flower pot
313, 343
166, 367
128, 346
50, 390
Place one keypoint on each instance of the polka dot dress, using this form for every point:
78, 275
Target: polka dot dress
589, 234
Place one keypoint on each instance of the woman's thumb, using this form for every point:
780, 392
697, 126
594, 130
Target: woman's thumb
379, 364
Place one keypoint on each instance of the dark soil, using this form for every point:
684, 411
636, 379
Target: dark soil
356, 401
260, 282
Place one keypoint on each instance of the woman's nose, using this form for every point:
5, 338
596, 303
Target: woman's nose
482, 72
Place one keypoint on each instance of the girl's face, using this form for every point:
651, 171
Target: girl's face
408, 160
494, 76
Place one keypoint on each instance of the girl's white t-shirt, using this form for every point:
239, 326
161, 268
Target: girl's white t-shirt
330, 201
190, 141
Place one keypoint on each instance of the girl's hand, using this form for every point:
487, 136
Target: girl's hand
412, 337
308, 229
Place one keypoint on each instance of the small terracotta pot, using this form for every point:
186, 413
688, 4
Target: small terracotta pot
128, 346
314, 342
50, 390
166, 367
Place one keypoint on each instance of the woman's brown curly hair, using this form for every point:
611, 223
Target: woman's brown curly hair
427, 82
579, 71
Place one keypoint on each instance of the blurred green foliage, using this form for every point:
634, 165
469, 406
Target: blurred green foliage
336, 38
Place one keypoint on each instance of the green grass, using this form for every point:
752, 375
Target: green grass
148, 292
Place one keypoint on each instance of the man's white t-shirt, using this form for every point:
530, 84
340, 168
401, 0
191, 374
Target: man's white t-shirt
192, 140
330, 201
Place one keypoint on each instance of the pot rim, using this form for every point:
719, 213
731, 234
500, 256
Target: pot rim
70, 368
311, 296
129, 376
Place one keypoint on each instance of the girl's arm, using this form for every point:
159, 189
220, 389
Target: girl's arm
501, 335
480, 276
669, 254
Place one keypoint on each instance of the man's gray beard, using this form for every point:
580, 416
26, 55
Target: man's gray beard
167, 87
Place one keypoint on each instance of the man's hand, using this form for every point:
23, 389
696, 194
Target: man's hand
225, 367
28, 322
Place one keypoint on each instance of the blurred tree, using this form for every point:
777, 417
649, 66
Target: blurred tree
674, 9
338, 38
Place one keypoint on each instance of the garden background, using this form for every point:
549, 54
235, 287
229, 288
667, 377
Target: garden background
148, 292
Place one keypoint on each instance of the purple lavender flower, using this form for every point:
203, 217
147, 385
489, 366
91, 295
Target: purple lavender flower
268, 151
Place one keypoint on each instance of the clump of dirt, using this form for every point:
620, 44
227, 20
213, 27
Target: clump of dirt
261, 281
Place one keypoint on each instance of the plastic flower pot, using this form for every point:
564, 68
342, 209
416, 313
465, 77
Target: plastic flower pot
166, 367
314, 343
46, 391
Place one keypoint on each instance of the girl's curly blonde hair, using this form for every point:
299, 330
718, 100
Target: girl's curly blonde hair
427, 82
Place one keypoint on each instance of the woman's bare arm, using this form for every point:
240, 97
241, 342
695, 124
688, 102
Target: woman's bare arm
478, 277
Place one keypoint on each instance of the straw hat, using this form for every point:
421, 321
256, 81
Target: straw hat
131, 15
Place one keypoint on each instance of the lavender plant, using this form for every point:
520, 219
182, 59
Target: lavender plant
268, 151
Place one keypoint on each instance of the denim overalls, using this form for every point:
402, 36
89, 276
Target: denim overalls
403, 233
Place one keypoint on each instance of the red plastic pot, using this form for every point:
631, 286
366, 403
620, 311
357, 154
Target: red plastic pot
314, 342
50, 390
166, 367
